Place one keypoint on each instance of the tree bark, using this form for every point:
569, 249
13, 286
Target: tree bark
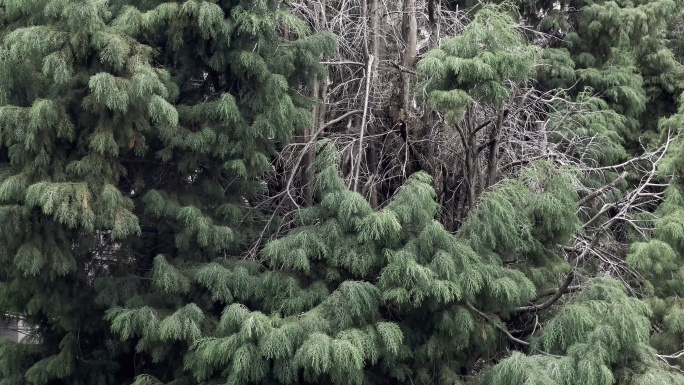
410, 37
494, 146
318, 92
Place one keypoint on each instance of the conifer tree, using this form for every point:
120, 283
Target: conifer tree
132, 138
618, 50
356, 295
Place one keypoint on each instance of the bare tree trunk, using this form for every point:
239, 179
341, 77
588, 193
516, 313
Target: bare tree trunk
364, 121
410, 37
470, 172
376, 37
368, 59
307, 175
494, 145
495, 141
318, 91
434, 7
375, 32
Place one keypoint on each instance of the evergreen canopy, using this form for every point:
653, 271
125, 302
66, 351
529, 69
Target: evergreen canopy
140, 142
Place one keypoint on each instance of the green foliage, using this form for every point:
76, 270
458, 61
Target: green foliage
473, 66
655, 257
134, 141
598, 329
335, 327
131, 135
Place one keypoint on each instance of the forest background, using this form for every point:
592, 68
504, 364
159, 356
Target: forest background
342, 192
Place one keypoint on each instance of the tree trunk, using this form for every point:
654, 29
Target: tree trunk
410, 37
318, 91
494, 146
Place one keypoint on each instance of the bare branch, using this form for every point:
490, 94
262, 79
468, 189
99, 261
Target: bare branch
603, 189
679, 354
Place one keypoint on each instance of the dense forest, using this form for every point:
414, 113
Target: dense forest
342, 192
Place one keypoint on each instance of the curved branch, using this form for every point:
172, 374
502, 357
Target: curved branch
672, 356
503, 329
559, 293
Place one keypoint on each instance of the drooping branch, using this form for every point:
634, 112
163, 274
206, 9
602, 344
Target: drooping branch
562, 289
496, 325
